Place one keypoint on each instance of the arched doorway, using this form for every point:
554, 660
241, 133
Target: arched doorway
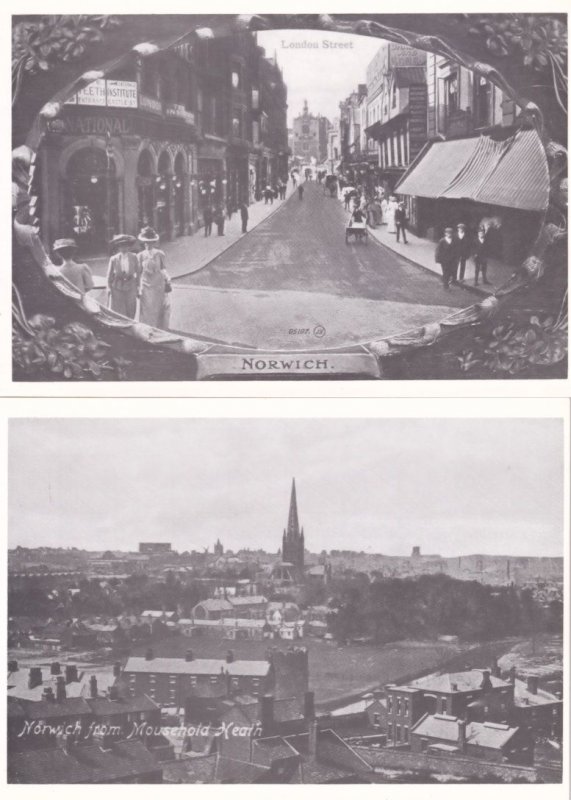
146, 189
90, 199
179, 194
163, 196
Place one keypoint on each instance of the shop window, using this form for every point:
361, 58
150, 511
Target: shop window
90, 198
451, 92
255, 99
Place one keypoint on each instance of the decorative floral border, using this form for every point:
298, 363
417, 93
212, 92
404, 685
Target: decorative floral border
528, 273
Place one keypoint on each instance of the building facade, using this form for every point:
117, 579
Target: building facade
310, 136
171, 130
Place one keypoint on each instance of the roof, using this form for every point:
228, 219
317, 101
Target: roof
123, 705
467, 681
198, 666
483, 734
523, 697
83, 764
358, 707
154, 613
252, 600
214, 604
510, 172
53, 709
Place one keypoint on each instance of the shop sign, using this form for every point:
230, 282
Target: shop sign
122, 94
177, 111
114, 94
150, 104
314, 365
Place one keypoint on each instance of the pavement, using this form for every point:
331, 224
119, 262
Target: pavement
187, 254
421, 251
294, 283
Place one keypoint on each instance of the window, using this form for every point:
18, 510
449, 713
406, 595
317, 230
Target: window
214, 679
305, 129
394, 97
390, 704
376, 719
235, 79
406, 706
483, 102
235, 682
390, 730
397, 735
255, 99
424, 745
398, 706
193, 680
405, 733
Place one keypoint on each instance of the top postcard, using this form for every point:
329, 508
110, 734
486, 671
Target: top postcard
305, 197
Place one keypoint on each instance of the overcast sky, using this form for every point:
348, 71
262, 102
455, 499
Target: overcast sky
451, 486
323, 75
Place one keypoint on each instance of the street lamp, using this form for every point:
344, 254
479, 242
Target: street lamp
109, 196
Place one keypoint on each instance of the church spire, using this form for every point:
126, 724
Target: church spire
293, 520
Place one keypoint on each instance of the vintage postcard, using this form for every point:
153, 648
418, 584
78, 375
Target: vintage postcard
289, 601
289, 196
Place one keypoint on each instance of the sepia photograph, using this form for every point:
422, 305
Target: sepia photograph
287, 601
289, 196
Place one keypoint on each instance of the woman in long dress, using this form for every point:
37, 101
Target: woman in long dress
155, 282
123, 277
391, 208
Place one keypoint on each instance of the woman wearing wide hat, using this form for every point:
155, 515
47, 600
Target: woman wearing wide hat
155, 282
77, 274
123, 276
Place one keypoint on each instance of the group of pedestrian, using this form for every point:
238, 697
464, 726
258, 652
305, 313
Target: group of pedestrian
214, 215
454, 250
131, 276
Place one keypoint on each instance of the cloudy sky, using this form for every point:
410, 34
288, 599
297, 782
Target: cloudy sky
451, 486
324, 75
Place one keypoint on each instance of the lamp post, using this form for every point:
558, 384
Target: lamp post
108, 187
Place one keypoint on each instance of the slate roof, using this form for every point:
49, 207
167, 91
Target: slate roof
483, 734
358, 707
523, 697
467, 681
198, 666
54, 709
103, 706
83, 764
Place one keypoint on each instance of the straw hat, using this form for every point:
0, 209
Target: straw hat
148, 234
64, 244
122, 238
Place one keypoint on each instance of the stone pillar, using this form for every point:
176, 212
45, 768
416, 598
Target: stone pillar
130, 211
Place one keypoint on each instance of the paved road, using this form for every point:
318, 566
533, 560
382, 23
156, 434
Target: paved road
294, 274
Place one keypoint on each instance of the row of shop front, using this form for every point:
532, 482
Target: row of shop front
101, 174
500, 179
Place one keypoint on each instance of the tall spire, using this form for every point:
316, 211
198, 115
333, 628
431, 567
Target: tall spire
293, 520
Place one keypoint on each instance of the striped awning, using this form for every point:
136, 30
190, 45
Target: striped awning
511, 172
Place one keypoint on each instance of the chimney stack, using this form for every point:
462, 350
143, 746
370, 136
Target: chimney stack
116, 669
486, 682
496, 671
312, 740
12, 666
189, 655
48, 694
35, 677
309, 706
71, 673
60, 689
511, 675
462, 735
93, 686
229, 656
149, 655
267, 713
532, 682
55, 668
113, 693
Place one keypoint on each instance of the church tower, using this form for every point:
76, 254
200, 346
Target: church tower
293, 540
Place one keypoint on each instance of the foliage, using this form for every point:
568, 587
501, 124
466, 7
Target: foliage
38, 45
512, 349
537, 41
71, 352
390, 609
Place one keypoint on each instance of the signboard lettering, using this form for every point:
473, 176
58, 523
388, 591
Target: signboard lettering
276, 365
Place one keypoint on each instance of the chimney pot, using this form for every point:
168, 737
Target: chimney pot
532, 682
48, 693
267, 709
309, 706
70, 673
462, 735
113, 693
93, 686
35, 677
60, 688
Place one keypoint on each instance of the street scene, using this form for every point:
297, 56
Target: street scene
211, 189
286, 601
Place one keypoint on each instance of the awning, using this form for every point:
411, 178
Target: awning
511, 172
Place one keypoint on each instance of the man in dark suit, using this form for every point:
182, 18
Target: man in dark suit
446, 255
480, 252
463, 247
400, 221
